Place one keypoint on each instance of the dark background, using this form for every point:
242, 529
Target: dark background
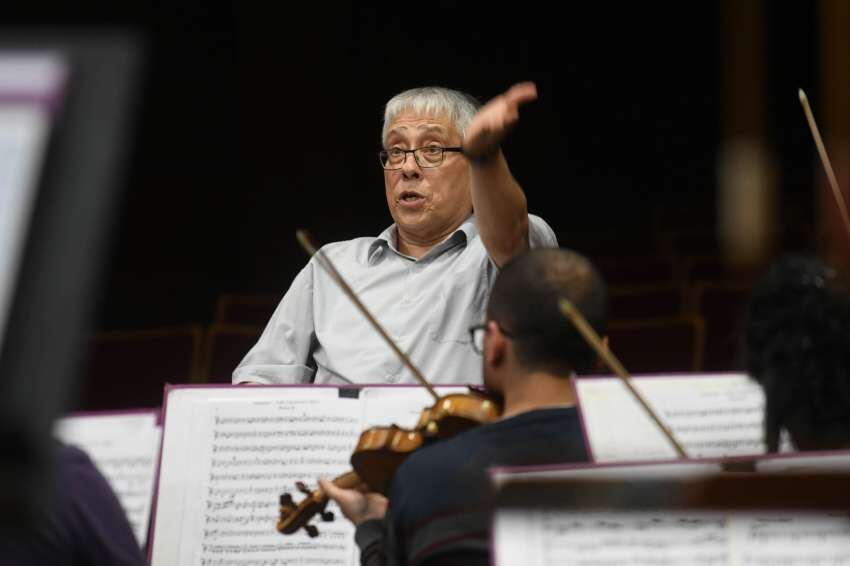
258, 119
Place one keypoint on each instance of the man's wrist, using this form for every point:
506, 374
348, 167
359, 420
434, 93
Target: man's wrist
485, 158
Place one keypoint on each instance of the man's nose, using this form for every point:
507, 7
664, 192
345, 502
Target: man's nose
410, 168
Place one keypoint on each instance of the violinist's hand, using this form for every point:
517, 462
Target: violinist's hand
493, 121
355, 505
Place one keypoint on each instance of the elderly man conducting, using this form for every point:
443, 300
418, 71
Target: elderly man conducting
459, 215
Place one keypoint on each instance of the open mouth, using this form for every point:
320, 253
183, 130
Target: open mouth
410, 197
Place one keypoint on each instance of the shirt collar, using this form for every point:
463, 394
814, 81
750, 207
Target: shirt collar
387, 240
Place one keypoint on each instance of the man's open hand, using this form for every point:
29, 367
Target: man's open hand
495, 119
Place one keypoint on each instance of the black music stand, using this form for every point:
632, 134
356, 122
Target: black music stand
632, 519
55, 284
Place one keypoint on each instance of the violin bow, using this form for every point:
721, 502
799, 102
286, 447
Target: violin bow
310, 247
592, 338
824, 159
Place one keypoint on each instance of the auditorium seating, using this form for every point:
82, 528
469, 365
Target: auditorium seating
636, 270
129, 368
655, 345
245, 309
224, 347
722, 305
647, 301
663, 318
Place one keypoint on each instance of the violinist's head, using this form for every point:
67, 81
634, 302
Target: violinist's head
526, 331
798, 349
428, 192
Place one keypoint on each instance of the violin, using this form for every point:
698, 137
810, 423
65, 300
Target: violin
381, 450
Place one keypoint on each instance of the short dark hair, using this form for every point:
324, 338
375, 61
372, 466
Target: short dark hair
798, 348
524, 300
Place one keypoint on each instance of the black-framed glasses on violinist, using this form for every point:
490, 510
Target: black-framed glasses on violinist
430, 156
477, 332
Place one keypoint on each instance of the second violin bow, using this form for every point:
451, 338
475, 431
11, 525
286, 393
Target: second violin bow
824, 158
592, 338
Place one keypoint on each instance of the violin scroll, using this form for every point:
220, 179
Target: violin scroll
381, 450
294, 517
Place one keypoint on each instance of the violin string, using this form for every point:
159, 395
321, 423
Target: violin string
592, 338
306, 242
824, 158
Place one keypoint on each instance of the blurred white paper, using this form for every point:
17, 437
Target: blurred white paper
542, 533
125, 449
29, 89
535, 537
712, 415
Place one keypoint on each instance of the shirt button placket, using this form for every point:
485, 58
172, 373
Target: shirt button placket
410, 291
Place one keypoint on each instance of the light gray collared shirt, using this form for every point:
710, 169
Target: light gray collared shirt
317, 335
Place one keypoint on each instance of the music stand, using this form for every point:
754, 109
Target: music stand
54, 281
676, 516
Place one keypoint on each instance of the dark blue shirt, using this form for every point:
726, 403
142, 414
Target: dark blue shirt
86, 525
440, 497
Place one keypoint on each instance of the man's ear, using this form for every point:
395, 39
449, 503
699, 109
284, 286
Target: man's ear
494, 345
600, 366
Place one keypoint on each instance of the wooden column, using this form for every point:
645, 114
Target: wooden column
746, 208
833, 114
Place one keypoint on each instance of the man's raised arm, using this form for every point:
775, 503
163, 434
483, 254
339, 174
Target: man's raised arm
498, 200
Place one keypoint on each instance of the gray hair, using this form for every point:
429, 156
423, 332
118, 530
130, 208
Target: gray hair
433, 100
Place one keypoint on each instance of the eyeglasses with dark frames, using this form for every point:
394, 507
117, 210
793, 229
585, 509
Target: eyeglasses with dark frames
477, 332
425, 157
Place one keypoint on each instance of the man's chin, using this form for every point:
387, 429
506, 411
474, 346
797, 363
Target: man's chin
410, 221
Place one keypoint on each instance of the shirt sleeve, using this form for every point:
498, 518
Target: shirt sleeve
377, 541
369, 537
540, 234
283, 354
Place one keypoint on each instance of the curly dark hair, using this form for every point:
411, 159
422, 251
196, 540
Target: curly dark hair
798, 349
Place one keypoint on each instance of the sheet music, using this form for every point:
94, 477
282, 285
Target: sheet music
539, 538
229, 453
536, 537
25, 81
384, 406
799, 539
712, 415
124, 448
562, 535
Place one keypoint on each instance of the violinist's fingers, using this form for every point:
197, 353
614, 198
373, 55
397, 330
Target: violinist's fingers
356, 506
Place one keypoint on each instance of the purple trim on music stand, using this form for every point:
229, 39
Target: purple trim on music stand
117, 412
47, 92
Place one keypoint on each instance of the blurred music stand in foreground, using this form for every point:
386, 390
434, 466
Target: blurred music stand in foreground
700, 516
66, 102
